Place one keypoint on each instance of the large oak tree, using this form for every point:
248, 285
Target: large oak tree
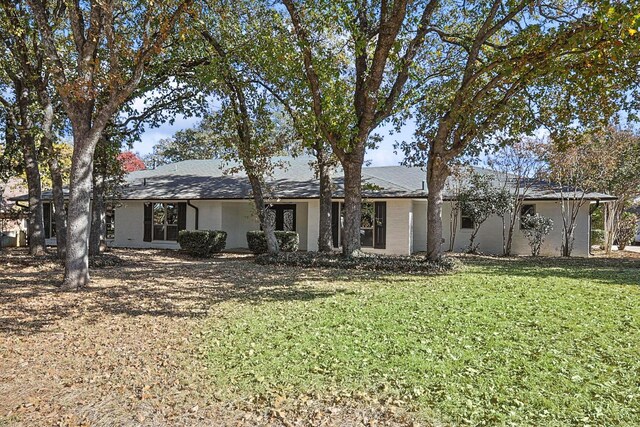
505, 68
359, 62
97, 54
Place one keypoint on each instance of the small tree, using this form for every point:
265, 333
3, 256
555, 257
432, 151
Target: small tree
480, 200
569, 175
627, 229
516, 165
535, 228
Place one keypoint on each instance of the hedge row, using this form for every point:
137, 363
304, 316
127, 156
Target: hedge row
368, 262
202, 243
288, 241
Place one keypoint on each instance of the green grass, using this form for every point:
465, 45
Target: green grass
550, 342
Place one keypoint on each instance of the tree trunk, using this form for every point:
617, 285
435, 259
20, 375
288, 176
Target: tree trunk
98, 215
60, 213
325, 237
352, 166
267, 226
506, 251
26, 131
453, 225
513, 218
437, 173
472, 239
34, 184
611, 213
76, 272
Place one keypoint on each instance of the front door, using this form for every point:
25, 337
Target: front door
284, 217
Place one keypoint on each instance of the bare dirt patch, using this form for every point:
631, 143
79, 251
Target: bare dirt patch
124, 351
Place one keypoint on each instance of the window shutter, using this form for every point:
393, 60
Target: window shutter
46, 212
335, 223
380, 227
182, 216
148, 221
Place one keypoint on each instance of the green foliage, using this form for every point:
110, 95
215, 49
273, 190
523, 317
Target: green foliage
526, 342
536, 227
288, 241
202, 243
188, 144
627, 229
399, 264
597, 237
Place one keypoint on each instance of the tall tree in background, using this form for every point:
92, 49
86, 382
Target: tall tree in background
25, 52
195, 143
19, 101
20, 130
130, 162
108, 46
359, 63
507, 68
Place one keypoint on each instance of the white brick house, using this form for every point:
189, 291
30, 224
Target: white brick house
198, 194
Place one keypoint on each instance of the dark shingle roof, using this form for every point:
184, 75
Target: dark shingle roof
294, 179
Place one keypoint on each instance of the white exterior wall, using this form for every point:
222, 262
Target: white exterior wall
238, 218
313, 225
234, 217
129, 227
209, 215
399, 227
419, 225
406, 227
489, 238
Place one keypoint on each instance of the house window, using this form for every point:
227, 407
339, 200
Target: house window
283, 217
526, 210
466, 222
110, 224
366, 225
165, 221
49, 217
372, 224
49, 220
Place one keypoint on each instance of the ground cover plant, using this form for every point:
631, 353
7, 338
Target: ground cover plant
364, 262
162, 338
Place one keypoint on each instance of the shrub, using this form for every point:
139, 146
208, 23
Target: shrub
288, 241
627, 229
202, 243
368, 262
536, 227
597, 237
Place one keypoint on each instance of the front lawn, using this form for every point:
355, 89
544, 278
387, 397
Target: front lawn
509, 342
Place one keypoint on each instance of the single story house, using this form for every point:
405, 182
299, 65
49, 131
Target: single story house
201, 194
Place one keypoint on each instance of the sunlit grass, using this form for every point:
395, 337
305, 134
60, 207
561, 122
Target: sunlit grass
502, 342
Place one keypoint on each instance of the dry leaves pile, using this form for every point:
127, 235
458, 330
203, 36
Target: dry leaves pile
124, 351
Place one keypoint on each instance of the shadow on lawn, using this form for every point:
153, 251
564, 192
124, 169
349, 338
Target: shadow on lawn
152, 284
614, 271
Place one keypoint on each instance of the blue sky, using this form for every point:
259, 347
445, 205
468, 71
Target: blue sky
382, 156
